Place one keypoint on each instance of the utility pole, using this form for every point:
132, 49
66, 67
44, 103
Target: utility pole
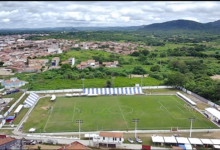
191, 119
79, 122
135, 120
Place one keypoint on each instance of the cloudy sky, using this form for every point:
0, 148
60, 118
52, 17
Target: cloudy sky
37, 14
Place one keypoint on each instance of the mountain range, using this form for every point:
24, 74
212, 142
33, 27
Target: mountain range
165, 26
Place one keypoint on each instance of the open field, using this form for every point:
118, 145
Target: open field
113, 113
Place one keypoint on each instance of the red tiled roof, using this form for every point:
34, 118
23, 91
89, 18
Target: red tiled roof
111, 134
6, 140
74, 145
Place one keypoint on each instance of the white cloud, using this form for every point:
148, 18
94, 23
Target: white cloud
103, 13
6, 20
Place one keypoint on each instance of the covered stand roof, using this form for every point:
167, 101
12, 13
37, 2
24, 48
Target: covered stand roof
195, 141
18, 108
215, 141
157, 139
171, 139
186, 98
206, 141
182, 140
214, 112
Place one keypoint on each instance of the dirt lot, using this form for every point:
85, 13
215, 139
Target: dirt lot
215, 77
42, 146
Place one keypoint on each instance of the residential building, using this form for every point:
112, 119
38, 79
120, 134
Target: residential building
10, 143
109, 139
55, 61
37, 62
89, 63
74, 145
110, 64
13, 82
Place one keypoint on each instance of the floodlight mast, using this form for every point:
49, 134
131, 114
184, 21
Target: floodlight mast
191, 119
135, 120
79, 122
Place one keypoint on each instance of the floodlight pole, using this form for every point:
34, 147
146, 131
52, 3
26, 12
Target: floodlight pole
83, 82
135, 120
191, 119
141, 81
79, 121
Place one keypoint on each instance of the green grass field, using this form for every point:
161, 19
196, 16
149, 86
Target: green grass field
102, 113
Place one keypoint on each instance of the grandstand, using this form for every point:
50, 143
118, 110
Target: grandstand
186, 99
31, 99
113, 91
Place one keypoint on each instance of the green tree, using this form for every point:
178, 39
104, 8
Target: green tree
139, 70
155, 68
108, 83
1, 63
177, 79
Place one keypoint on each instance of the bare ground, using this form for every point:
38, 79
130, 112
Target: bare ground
215, 77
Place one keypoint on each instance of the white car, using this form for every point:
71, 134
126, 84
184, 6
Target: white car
130, 140
138, 140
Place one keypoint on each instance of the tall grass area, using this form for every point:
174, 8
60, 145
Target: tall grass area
111, 113
95, 83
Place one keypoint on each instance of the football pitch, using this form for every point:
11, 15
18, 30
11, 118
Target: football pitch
113, 113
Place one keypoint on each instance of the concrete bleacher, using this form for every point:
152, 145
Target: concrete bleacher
114, 91
31, 99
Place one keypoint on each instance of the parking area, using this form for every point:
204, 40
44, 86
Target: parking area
4, 103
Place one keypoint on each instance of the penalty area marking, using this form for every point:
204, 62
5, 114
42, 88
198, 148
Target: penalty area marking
170, 112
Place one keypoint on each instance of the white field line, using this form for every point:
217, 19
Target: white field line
122, 114
49, 117
170, 112
74, 111
179, 108
176, 101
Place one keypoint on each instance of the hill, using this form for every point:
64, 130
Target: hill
179, 25
40, 29
215, 23
129, 28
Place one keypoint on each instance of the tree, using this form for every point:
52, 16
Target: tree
136, 54
1, 63
145, 52
138, 70
155, 68
108, 83
177, 79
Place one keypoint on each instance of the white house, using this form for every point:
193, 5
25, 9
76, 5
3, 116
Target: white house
109, 138
13, 82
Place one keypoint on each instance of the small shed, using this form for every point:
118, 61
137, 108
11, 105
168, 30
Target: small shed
32, 130
10, 118
53, 97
